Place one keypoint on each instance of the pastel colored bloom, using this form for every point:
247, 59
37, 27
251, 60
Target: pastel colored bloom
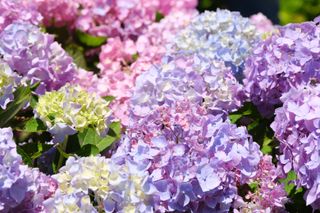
58, 12
8, 82
35, 56
206, 83
296, 126
18, 10
21, 188
195, 160
284, 60
269, 195
262, 23
72, 109
115, 187
222, 35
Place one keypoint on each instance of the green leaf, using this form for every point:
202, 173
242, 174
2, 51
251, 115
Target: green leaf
25, 157
88, 150
288, 182
89, 40
21, 97
109, 98
253, 186
159, 16
77, 53
34, 125
266, 146
235, 117
90, 137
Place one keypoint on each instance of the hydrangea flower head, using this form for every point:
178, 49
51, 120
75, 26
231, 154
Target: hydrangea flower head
73, 109
286, 59
222, 35
21, 188
17, 10
296, 126
194, 78
269, 195
35, 56
195, 160
8, 82
115, 187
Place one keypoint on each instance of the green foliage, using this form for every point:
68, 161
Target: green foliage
159, 16
292, 11
34, 125
89, 40
258, 126
77, 53
91, 142
21, 97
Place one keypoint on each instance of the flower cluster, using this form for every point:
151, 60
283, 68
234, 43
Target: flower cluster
267, 195
16, 10
262, 23
122, 61
21, 188
195, 160
35, 56
286, 59
72, 109
115, 187
222, 35
296, 126
8, 82
204, 82
125, 18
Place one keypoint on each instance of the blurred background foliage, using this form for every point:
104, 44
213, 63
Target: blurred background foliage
279, 11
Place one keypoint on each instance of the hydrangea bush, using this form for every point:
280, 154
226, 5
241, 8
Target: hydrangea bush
151, 106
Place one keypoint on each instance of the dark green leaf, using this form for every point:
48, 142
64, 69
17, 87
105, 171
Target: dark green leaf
77, 53
159, 16
25, 157
89, 40
21, 97
109, 98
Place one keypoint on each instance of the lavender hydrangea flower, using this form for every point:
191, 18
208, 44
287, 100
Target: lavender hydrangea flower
194, 78
21, 188
8, 82
286, 59
35, 56
116, 187
15, 10
222, 35
296, 126
195, 160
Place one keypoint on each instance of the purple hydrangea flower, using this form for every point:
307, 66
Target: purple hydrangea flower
35, 56
194, 159
21, 188
221, 35
296, 126
194, 78
287, 58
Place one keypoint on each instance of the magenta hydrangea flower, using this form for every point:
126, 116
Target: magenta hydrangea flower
195, 160
18, 10
206, 83
35, 56
287, 58
125, 18
296, 126
58, 12
269, 195
21, 188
